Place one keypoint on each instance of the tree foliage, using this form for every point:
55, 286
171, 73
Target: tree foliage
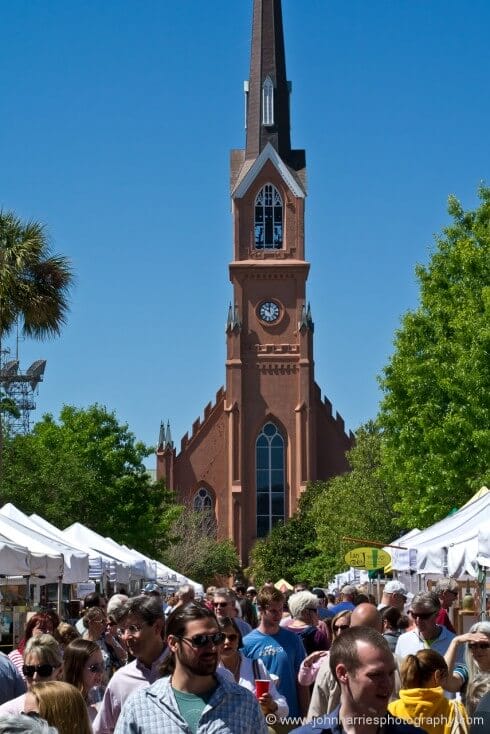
34, 284
310, 546
436, 407
289, 548
87, 467
196, 553
358, 504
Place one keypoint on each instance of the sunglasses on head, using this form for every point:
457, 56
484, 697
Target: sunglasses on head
478, 645
43, 671
96, 668
338, 627
217, 638
422, 615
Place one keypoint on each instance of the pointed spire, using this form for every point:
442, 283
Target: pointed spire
233, 320
268, 88
168, 437
161, 437
229, 320
309, 318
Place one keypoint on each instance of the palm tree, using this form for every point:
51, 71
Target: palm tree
34, 284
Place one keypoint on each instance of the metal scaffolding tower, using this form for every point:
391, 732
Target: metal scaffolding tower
19, 389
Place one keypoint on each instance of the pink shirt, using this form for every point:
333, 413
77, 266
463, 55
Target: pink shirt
126, 680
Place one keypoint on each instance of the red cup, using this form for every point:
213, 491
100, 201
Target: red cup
261, 687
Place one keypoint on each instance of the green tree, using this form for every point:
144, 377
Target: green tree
87, 467
436, 406
358, 504
196, 553
290, 547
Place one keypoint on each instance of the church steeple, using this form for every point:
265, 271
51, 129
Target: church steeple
268, 88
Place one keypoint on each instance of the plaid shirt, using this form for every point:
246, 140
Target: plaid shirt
231, 710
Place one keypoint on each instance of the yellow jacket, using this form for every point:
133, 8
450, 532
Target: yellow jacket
431, 710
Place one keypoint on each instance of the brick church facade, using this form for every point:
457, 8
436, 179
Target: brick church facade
269, 431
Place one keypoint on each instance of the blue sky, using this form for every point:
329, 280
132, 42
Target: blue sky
116, 121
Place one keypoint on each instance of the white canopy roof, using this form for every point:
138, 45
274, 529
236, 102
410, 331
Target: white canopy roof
456, 545
163, 573
80, 534
14, 559
99, 564
61, 559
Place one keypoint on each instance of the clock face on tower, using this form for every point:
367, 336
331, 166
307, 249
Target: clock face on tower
269, 311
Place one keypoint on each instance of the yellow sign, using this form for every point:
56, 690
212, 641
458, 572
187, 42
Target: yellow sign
367, 558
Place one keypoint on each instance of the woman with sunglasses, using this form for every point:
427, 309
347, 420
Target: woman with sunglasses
40, 623
477, 657
61, 705
312, 663
245, 673
83, 667
42, 662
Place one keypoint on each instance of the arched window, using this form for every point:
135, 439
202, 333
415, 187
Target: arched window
269, 459
203, 503
268, 102
268, 219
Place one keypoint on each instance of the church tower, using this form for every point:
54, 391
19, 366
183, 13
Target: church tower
269, 433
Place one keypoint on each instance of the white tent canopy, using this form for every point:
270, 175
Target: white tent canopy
80, 534
55, 558
163, 573
455, 545
14, 559
99, 564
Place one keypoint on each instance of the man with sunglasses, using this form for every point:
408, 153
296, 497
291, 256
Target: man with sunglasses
427, 633
142, 629
193, 696
224, 606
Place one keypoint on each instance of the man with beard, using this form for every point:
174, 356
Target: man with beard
364, 667
142, 628
193, 696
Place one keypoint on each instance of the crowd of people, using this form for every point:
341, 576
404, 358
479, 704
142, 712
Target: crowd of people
246, 661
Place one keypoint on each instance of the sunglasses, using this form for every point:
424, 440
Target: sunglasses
220, 604
96, 668
133, 629
43, 671
338, 627
32, 714
422, 615
478, 645
217, 638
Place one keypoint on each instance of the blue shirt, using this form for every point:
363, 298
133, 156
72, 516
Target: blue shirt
282, 654
12, 684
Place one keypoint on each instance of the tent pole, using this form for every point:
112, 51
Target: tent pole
60, 595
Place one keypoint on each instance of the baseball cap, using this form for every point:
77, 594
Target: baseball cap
395, 587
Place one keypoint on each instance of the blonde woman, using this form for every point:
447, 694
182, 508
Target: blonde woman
43, 661
422, 701
61, 705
